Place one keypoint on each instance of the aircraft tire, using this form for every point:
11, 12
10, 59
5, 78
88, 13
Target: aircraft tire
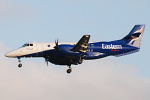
80, 61
20, 65
69, 71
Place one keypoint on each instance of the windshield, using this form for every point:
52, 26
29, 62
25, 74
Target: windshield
24, 45
27, 45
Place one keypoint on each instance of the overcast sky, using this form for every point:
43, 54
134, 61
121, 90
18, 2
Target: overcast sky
111, 78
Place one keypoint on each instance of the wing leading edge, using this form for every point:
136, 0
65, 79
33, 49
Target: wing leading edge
82, 45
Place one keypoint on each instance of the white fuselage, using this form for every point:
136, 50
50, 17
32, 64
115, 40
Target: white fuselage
30, 48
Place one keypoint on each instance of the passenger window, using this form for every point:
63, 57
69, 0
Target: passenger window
27, 44
48, 45
31, 44
92, 45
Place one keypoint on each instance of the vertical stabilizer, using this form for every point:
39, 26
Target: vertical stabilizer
135, 36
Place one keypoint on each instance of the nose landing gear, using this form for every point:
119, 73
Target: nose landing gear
20, 65
69, 70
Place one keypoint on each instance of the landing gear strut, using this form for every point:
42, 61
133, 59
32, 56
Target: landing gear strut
69, 70
80, 60
20, 65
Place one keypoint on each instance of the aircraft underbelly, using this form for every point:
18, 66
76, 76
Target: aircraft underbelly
59, 58
95, 55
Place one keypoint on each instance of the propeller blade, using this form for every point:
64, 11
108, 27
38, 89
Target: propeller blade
46, 61
56, 43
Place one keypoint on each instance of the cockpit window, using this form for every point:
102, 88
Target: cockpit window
24, 45
27, 45
31, 44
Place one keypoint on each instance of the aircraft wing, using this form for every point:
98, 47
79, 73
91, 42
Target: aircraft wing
82, 45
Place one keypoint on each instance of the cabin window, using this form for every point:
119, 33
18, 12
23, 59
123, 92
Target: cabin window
27, 45
92, 45
48, 45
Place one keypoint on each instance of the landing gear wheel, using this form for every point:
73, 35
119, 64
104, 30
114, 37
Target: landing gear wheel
20, 65
69, 71
80, 61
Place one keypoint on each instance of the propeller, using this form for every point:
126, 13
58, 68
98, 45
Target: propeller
46, 61
56, 43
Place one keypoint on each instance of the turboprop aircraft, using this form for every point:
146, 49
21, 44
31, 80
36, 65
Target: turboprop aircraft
74, 54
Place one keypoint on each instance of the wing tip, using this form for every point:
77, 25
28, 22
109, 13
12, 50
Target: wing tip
86, 35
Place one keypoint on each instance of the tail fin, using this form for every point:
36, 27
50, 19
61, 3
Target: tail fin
135, 36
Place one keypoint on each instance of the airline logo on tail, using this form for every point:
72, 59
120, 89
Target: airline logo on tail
140, 30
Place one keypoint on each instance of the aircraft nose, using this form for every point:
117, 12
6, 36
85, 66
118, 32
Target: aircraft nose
14, 53
9, 55
6, 55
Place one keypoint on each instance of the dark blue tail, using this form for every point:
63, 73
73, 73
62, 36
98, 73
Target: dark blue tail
135, 36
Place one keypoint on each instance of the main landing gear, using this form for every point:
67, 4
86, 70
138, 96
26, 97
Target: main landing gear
20, 65
69, 70
80, 61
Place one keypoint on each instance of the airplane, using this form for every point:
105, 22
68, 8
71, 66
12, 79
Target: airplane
74, 54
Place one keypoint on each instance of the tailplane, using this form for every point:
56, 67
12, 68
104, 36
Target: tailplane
135, 36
